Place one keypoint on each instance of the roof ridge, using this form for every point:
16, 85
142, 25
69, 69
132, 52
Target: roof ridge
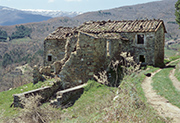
110, 26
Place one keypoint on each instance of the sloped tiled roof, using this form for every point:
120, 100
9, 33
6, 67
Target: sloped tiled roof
109, 29
121, 26
61, 33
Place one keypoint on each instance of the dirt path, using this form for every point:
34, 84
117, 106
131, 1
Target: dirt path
174, 80
162, 105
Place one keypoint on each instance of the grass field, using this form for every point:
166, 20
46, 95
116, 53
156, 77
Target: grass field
97, 103
6, 98
177, 46
171, 54
177, 71
20, 40
164, 87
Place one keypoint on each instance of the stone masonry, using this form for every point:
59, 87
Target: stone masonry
76, 54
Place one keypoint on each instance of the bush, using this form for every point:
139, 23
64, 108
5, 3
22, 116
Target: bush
21, 32
33, 113
3, 35
7, 60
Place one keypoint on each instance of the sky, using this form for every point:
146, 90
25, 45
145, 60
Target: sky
70, 5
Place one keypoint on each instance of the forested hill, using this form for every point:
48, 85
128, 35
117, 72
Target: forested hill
23, 44
164, 10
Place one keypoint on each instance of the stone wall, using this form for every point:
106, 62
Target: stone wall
64, 96
146, 49
69, 48
45, 93
159, 47
135, 49
55, 49
88, 59
86, 54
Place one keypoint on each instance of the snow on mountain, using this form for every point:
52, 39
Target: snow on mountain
51, 13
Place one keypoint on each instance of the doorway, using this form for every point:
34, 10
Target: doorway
142, 58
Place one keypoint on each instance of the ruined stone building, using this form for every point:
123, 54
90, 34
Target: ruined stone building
75, 54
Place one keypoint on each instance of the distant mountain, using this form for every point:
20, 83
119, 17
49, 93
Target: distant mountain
9, 16
159, 10
51, 13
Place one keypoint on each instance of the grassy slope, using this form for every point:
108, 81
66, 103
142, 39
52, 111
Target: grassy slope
177, 71
164, 87
96, 102
90, 105
6, 98
97, 105
171, 54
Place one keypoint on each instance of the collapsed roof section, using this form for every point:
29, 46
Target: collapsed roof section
61, 33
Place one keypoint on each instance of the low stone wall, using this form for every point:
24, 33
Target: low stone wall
71, 94
45, 93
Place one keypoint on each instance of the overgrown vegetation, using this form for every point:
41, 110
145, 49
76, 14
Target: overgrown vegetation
171, 54
7, 60
177, 71
21, 32
101, 103
33, 113
3, 36
14, 55
98, 103
6, 98
177, 12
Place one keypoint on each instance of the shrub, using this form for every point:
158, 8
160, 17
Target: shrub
21, 32
7, 60
33, 113
3, 35
118, 69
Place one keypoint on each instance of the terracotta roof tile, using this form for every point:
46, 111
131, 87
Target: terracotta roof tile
112, 28
121, 26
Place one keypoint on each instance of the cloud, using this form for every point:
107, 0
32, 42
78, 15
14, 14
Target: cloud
51, 1
73, 0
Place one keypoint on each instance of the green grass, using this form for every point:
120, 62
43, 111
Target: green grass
88, 107
6, 98
177, 71
177, 46
171, 54
138, 79
96, 103
164, 86
21, 40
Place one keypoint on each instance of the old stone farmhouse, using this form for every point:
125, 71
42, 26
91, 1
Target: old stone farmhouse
75, 54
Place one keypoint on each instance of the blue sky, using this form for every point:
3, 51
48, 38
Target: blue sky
69, 5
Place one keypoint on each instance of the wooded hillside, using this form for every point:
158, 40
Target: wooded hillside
23, 44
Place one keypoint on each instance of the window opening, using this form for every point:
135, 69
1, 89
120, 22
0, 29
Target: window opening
49, 58
140, 39
142, 58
